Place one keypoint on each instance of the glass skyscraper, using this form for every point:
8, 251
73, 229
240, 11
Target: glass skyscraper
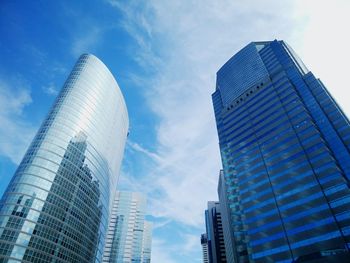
204, 244
214, 233
285, 148
225, 212
147, 242
129, 235
56, 207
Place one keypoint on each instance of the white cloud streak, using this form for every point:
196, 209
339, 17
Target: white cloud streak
137, 147
186, 42
50, 90
85, 43
192, 41
325, 45
159, 254
15, 132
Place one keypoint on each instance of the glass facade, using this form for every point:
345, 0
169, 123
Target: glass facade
215, 234
285, 148
147, 242
204, 244
57, 205
129, 237
226, 226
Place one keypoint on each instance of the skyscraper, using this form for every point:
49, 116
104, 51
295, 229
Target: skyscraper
129, 235
204, 244
57, 205
215, 234
225, 218
147, 242
285, 147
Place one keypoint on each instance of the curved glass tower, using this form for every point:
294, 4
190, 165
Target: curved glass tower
56, 207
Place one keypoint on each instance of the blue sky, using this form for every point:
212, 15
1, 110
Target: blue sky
164, 55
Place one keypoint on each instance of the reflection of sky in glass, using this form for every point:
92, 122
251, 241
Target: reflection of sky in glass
279, 145
70, 169
129, 235
233, 82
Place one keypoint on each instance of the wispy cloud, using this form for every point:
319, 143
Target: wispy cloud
137, 147
163, 250
86, 41
15, 132
161, 223
185, 43
159, 254
324, 47
192, 41
139, 27
190, 242
50, 90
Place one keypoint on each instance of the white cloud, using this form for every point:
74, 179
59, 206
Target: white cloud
161, 248
15, 132
161, 223
159, 254
188, 41
50, 90
325, 44
85, 42
190, 242
192, 41
137, 147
